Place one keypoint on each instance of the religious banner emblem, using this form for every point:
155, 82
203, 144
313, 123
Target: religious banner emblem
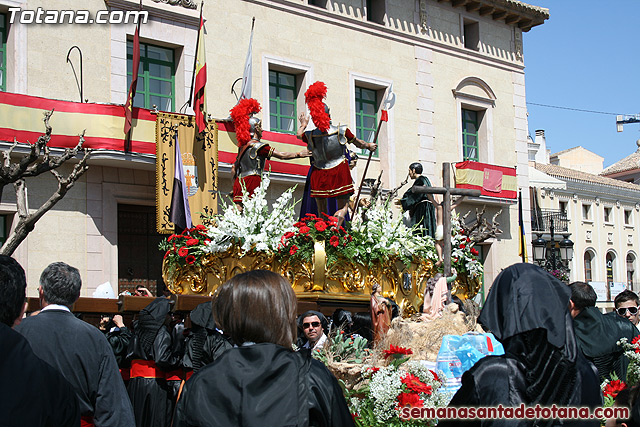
199, 152
190, 173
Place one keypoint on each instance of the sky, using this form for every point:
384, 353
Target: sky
586, 56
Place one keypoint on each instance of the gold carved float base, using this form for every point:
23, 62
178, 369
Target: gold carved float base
343, 282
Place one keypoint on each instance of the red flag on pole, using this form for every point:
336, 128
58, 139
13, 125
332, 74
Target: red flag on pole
128, 107
384, 116
199, 98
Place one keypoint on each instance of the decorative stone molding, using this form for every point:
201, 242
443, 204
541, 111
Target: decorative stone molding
609, 237
588, 235
629, 239
184, 3
598, 201
618, 204
424, 25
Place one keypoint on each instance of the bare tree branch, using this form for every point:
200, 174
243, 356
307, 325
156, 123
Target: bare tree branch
36, 162
480, 230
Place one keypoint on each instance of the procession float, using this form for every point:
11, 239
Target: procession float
322, 261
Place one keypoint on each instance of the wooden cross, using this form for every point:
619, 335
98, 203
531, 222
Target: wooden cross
447, 191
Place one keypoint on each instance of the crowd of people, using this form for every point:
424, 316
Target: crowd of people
233, 368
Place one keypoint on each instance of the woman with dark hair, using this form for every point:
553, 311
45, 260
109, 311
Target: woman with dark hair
263, 382
527, 310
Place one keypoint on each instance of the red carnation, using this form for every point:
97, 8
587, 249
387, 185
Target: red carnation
462, 246
613, 388
201, 227
321, 226
190, 259
173, 236
334, 241
288, 235
474, 251
435, 376
304, 229
192, 242
293, 250
183, 252
393, 351
413, 383
411, 400
373, 369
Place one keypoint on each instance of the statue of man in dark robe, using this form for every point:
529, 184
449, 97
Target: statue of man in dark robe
421, 210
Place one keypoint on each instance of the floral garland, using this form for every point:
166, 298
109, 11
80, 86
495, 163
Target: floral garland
392, 388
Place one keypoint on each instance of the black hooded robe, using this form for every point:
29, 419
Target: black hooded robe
204, 344
263, 385
527, 310
151, 341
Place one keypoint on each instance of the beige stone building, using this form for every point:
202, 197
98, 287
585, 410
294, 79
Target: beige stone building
599, 214
456, 67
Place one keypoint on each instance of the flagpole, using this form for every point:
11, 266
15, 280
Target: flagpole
195, 56
364, 174
521, 223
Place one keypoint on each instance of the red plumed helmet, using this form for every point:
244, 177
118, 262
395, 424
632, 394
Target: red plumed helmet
240, 115
314, 98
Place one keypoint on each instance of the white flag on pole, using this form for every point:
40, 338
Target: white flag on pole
246, 77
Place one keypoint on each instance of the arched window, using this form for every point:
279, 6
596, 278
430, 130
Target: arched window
610, 263
588, 260
631, 268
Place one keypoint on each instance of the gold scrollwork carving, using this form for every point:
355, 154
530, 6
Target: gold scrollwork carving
347, 274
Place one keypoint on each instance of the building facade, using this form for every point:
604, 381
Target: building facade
456, 69
599, 214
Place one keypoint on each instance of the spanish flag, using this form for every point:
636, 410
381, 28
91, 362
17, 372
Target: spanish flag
199, 98
523, 240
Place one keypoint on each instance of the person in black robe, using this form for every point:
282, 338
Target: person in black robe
76, 349
263, 382
421, 210
151, 356
204, 343
598, 334
527, 309
34, 393
118, 336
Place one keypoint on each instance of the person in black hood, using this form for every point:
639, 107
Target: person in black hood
527, 309
204, 343
263, 382
151, 355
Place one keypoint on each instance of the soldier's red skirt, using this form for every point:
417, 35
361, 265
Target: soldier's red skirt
332, 182
251, 182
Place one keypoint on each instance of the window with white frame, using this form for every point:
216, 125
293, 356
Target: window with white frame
156, 76
631, 268
285, 84
475, 120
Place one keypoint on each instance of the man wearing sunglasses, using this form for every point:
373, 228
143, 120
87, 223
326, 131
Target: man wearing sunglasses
313, 324
627, 303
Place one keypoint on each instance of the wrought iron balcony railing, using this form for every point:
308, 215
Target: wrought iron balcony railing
541, 221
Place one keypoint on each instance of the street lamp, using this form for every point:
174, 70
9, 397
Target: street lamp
566, 249
539, 246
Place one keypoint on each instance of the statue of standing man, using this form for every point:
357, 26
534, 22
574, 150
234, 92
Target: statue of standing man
421, 210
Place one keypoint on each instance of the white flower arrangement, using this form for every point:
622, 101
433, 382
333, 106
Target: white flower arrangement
379, 232
257, 227
632, 351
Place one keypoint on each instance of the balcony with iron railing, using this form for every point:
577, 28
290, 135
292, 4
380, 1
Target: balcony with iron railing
542, 219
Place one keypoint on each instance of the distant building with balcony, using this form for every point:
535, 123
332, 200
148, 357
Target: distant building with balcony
601, 216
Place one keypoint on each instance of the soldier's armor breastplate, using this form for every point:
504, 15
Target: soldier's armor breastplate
251, 163
327, 147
